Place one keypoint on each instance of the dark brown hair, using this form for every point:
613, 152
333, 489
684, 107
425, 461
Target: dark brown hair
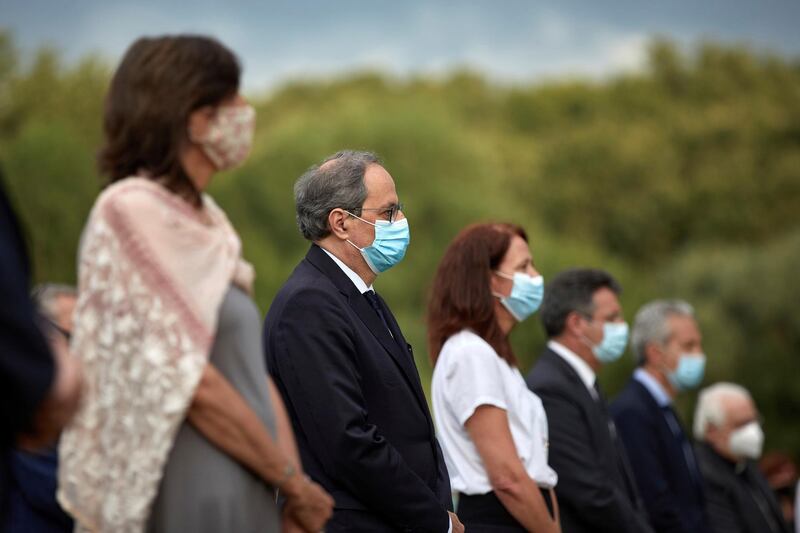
158, 84
461, 296
572, 291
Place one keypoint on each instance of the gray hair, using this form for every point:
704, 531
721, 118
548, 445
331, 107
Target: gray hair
46, 295
336, 182
710, 408
651, 325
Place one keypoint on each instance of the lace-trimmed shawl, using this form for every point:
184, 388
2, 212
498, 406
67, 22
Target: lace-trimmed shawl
153, 273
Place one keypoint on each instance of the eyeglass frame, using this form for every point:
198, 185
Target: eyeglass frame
393, 210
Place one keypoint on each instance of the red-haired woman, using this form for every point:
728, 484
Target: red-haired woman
492, 428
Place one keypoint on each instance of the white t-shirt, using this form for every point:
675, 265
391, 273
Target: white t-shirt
468, 374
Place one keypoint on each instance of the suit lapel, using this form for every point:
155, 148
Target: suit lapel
598, 417
396, 347
406, 355
602, 425
582, 393
680, 439
373, 322
750, 513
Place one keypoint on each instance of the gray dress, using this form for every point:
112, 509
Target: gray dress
203, 489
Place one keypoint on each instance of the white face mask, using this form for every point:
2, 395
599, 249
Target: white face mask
230, 135
747, 441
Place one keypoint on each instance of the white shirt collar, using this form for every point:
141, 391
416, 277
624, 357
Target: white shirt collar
653, 387
580, 366
355, 278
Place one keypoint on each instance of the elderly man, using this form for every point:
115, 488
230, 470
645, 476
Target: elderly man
667, 346
339, 358
729, 442
32, 497
583, 319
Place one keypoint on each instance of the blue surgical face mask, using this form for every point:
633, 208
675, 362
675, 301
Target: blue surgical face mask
526, 295
689, 372
390, 244
615, 338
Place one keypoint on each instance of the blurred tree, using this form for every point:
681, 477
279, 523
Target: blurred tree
744, 298
682, 180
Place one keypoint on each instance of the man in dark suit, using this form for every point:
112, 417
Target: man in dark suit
730, 440
668, 349
32, 504
346, 372
38, 394
583, 319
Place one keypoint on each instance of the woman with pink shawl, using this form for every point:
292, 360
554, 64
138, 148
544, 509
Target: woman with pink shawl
179, 428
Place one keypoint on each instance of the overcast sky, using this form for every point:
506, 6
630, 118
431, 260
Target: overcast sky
509, 40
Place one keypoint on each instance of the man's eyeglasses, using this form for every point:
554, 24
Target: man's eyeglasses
389, 213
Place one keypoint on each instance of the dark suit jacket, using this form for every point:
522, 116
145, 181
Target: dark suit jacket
32, 499
595, 494
357, 407
735, 498
26, 366
671, 487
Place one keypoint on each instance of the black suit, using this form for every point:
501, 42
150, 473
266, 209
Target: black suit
356, 403
26, 366
663, 461
595, 490
739, 500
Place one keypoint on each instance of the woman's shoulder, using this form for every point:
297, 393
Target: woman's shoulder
467, 343
121, 198
137, 198
133, 192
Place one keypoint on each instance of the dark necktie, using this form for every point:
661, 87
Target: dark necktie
600, 398
598, 395
677, 432
372, 298
619, 448
601, 402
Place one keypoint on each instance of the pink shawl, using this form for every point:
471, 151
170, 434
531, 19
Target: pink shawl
152, 275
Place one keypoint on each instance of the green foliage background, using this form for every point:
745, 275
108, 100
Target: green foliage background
682, 180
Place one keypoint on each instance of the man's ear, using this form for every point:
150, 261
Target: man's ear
337, 220
713, 434
572, 323
653, 354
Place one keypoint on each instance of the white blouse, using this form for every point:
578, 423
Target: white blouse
468, 374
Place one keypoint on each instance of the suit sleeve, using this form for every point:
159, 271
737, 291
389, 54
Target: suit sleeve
641, 442
581, 483
26, 365
35, 478
315, 349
